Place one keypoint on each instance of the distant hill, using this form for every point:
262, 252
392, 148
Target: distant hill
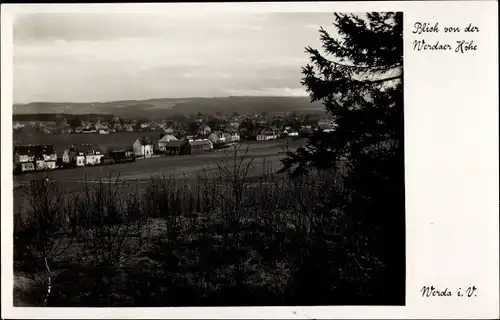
54, 117
161, 108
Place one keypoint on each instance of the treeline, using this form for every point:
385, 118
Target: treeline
54, 117
245, 105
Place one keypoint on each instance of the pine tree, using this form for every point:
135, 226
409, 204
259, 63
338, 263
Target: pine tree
359, 80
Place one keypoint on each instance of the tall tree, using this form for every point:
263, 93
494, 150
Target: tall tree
359, 80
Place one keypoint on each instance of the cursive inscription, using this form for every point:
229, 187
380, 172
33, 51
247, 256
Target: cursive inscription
431, 291
459, 46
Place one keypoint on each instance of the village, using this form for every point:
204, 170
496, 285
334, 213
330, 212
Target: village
189, 139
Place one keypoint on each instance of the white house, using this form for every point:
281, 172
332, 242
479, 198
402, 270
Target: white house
66, 157
164, 141
227, 136
18, 125
291, 133
24, 158
233, 137
93, 157
267, 135
35, 157
143, 147
80, 159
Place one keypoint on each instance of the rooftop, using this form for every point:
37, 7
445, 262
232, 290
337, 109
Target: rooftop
174, 144
200, 142
36, 150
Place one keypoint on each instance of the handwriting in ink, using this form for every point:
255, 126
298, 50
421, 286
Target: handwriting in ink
431, 291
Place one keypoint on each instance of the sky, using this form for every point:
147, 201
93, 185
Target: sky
90, 57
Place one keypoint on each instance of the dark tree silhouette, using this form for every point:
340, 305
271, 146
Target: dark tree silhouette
213, 123
192, 128
74, 122
359, 80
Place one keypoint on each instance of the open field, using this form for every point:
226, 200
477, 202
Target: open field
265, 155
269, 151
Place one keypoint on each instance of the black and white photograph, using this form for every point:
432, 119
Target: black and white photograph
207, 159
256, 160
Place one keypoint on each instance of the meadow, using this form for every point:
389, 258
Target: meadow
265, 154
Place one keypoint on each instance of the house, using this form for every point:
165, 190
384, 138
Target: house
248, 134
24, 158
100, 126
306, 130
69, 156
291, 132
199, 146
66, 158
176, 147
143, 147
106, 160
164, 141
46, 157
85, 124
267, 134
327, 124
169, 130
17, 126
217, 137
204, 130
232, 136
35, 157
120, 156
227, 137
235, 136
80, 159
93, 156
